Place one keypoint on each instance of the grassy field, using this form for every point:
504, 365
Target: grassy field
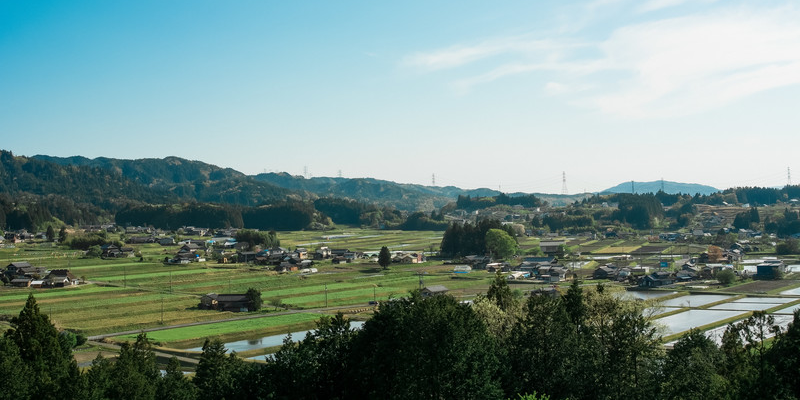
246, 327
129, 294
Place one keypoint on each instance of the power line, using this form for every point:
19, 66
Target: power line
563, 182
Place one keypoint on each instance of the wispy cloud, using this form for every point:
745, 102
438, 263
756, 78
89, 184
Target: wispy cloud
655, 5
660, 68
457, 56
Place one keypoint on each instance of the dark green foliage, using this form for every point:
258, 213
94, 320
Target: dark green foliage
254, 299
465, 202
384, 257
351, 212
470, 239
183, 179
86, 241
638, 210
51, 233
785, 357
285, 216
82, 184
218, 375
62, 235
584, 345
266, 240
690, 369
319, 366
135, 375
420, 221
49, 366
174, 385
501, 294
789, 246
726, 276
177, 215
93, 252
418, 348
500, 244
14, 379
544, 352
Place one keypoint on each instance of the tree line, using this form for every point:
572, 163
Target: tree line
584, 344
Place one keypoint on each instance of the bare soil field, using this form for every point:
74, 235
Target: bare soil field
765, 286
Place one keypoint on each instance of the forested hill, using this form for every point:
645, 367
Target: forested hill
666, 186
403, 196
80, 183
187, 179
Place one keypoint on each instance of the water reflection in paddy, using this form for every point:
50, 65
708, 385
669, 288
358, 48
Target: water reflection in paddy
788, 310
268, 341
646, 295
686, 320
694, 300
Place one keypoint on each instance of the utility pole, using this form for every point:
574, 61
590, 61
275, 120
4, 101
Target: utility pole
162, 308
326, 295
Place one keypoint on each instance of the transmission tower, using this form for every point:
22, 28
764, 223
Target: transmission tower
789, 175
563, 182
433, 179
633, 188
340, 173
305, 171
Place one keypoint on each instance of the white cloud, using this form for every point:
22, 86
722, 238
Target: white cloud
457, 56
661, 68
655, 5
686, 65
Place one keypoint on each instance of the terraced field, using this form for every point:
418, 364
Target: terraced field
129, 294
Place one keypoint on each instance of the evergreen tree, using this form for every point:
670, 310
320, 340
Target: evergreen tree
785, 356
99, 378
384, 257
218, 376
174, 385
51, 233
135, 375
51, 368
254, 300
501, 294
417, 348
690, 369
14, 381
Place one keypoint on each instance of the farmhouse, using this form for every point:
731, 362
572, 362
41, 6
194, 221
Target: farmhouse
433, 290
656, 279
225, 302
60, 278
551, 246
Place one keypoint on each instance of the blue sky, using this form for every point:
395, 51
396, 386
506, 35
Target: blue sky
503, 95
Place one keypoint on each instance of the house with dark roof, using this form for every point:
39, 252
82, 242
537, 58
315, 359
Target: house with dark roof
61, 278
433, 290
225, 302
656, 279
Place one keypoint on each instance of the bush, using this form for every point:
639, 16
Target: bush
94, 252
726, 276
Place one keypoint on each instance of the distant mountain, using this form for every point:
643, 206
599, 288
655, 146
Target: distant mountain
187, 179
655, 186
402, 196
